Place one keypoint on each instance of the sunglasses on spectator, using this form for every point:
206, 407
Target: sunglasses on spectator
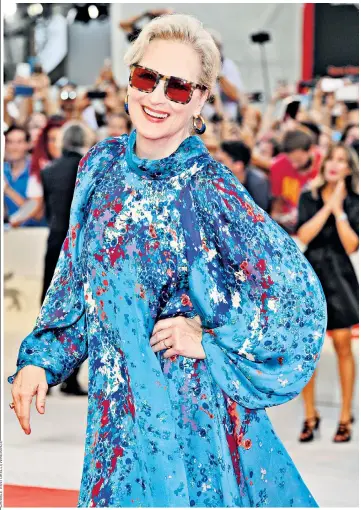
175, 89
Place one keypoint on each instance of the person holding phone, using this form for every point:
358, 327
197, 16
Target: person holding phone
328, 224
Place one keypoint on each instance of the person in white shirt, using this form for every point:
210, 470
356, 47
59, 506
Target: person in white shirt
229, 84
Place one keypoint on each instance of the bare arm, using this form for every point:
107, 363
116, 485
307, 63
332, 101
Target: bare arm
281, 92
14, 195
127, 24
8, 97
267, 119
347, 235
26, 109
313, 226
260, 161
36, 213
229, 89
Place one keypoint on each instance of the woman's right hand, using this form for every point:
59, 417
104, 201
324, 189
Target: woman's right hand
335, 202
9, 94
29, 381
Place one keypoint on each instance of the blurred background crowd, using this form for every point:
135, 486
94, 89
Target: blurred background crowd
274, 138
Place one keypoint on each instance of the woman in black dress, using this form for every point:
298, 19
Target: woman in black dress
328, 224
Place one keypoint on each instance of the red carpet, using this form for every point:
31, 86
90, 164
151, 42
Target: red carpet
20, 496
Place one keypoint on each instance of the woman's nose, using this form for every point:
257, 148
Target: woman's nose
158, 94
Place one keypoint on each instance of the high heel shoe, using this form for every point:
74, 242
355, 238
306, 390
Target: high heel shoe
308, 431
344, 431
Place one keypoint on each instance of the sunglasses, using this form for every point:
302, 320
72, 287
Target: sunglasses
175, 89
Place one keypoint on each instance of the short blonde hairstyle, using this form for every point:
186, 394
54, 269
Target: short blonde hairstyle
183, 28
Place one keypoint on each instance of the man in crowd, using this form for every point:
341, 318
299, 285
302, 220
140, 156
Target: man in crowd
290, 171
58, 182
17, 171
236, 156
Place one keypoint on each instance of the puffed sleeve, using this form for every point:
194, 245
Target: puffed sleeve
262, 307
58, 342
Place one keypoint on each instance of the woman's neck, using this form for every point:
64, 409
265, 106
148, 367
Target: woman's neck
328, 188
147, 148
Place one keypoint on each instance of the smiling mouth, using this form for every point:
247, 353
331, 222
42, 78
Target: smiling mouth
154, 114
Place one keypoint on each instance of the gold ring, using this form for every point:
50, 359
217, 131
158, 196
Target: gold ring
167, 346
12, 405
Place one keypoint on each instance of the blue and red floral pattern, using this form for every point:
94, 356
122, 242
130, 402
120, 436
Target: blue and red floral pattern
179, 236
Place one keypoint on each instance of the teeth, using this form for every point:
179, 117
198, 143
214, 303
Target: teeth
156, 115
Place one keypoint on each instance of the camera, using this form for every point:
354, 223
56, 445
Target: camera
255, 97
260, 37
96, 94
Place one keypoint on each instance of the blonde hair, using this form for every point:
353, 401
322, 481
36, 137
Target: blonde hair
353, 164
183, 28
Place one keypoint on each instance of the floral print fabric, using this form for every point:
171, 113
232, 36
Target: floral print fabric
173, 237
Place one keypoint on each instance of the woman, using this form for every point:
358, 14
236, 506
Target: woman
328, 224
35, 125
195, 309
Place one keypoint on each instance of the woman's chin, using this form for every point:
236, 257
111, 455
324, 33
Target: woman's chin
333, 179
152, 132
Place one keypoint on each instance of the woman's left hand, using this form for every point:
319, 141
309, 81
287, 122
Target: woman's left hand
338, 197
179, 336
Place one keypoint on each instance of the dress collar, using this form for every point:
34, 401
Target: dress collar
178, 162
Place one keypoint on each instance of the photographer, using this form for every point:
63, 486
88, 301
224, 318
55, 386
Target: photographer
132, 29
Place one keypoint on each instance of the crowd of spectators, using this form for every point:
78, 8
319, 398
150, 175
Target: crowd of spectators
275, 153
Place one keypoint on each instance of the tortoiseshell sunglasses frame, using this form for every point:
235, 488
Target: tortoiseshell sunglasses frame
166, 79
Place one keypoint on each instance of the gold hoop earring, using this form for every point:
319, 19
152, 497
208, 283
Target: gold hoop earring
199, 130
126, 108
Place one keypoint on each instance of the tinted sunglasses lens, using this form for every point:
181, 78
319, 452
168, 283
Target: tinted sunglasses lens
179, 90
143, 79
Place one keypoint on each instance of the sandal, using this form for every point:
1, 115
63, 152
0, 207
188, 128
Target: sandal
344, 431
308, 430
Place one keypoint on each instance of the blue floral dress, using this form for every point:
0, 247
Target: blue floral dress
180, 236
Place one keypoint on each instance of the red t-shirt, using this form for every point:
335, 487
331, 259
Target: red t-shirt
287, 182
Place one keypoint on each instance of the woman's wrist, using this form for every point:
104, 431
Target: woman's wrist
341, 215
328, 207
337, 211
